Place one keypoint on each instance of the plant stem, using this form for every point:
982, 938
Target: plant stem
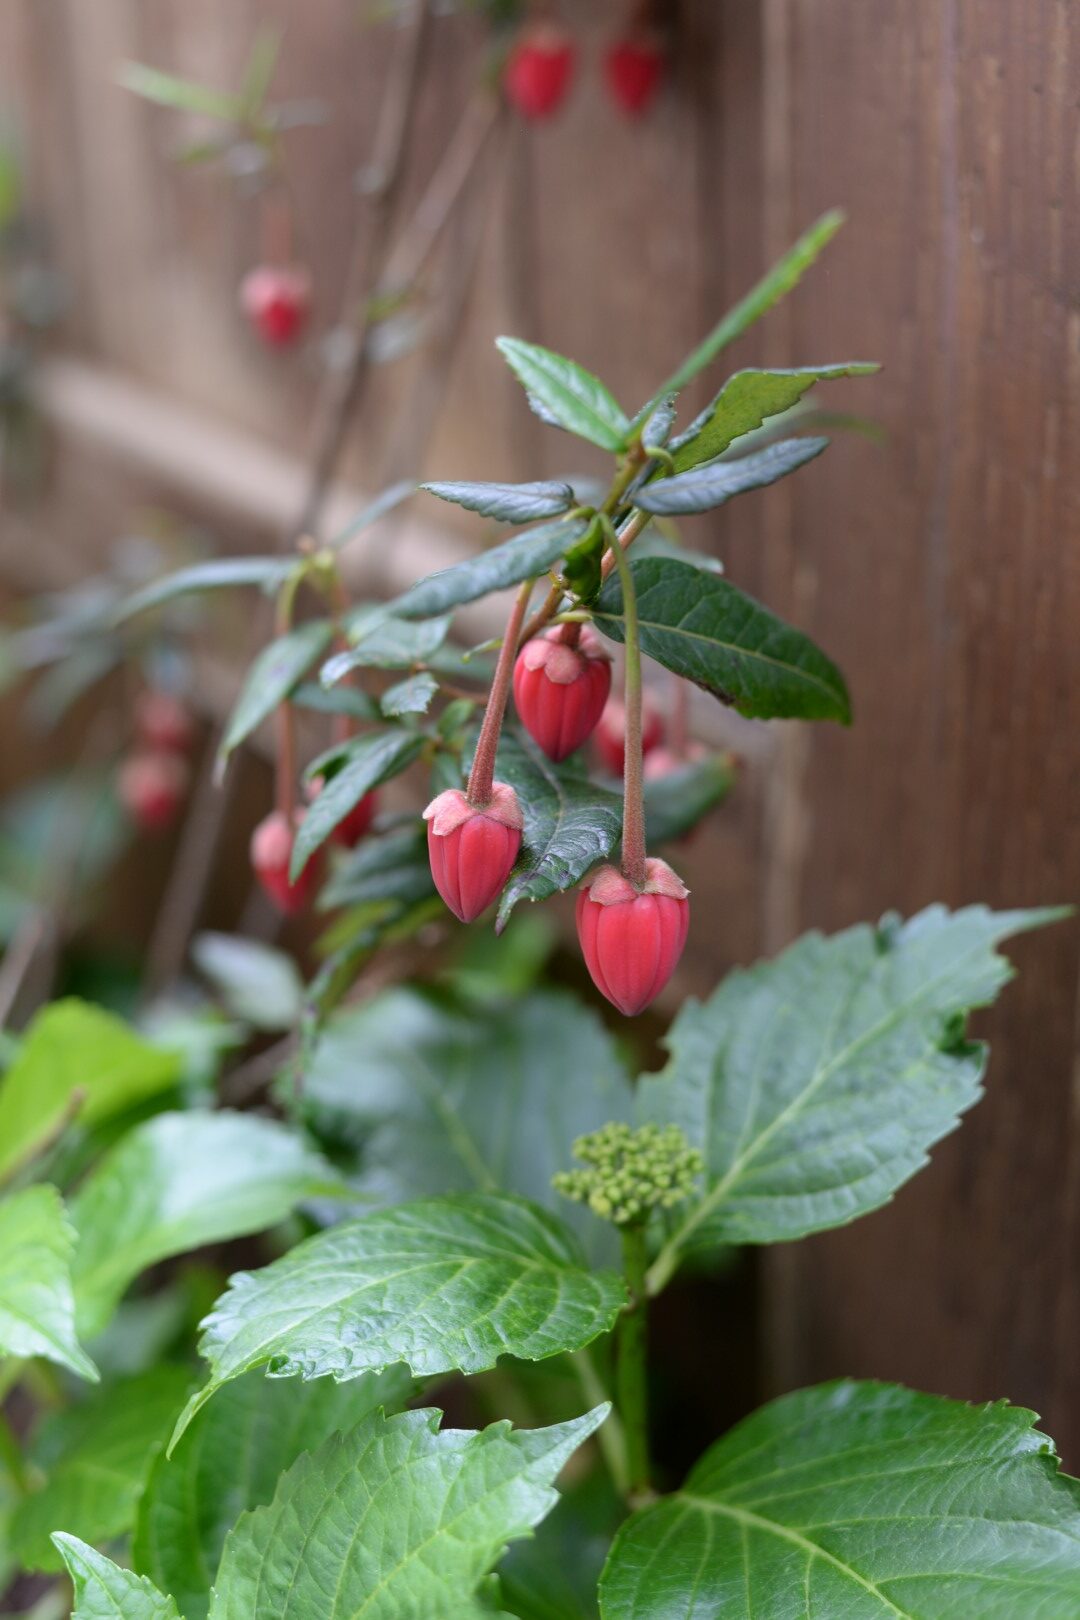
633, 839
487, 744
631, 1391
570, 634
285, 763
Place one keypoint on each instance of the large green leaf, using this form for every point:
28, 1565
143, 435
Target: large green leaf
381, 639
230, 1460
180, 1181
859, 1502
554, 1574
815, 1084
75, 1058
570, 823
704, 629
445, 1284
522, 557
507, 503
37, 1305
97, 1457
744, 403
222, 574
710, 485
280, 666
258, 984
567, 394
104, 1591
443, 1096
368, 761
395, 1521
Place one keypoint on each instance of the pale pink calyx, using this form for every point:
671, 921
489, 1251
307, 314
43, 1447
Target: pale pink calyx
608, 887
562, 664
450, 810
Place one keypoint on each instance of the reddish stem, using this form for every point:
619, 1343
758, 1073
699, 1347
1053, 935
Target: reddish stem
570, 634
487, 745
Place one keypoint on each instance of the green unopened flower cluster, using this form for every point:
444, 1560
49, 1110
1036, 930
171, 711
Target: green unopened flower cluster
631, 1172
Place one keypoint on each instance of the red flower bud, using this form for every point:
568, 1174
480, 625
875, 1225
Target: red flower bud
271, 853
151, 786
472, 850
634, 69
355, 823
632, 939
538, 72
163, 722
276, 300
560, 691
610, 734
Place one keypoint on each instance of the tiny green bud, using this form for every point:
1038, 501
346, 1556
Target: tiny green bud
631, 1172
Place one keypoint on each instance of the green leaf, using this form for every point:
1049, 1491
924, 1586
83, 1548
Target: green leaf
865, 1501
413, 695
384, 868
815, 1084
374, 512
258, 984
103, 1591
260, 70
446, 1097
707, 631
184, 95
222, 574
37, 1306
230, 1461
180, 1181
98, 1457
370, 760
348, 700
75, 1058
572, 397
784, 275
383, 641
522, 557
675, 803
710, 485
660, 421
444, 1284
554, 1575
570, 823
746, 400
395, 1519
279, 667
508, 503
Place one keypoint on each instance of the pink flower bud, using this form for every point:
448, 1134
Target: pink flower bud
560, 691
355, 823
610, 734
276, 300
539, 71
151, 786
472, 849
634, 69
632, 939
163, 722
662, 762
271, 854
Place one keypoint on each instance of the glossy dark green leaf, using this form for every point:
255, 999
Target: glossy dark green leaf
277, 669
184, 95
816, 1084
368, 761
104, 1591
413, 695
37, 1304
382, 640
676, 802
397, 1519
223, 573
707, 631
572, 396
508, 503
746, 400
859, 1501
523, 557
230, 1461
715, 482
443, 1284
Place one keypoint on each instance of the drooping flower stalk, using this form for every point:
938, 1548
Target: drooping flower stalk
482, 774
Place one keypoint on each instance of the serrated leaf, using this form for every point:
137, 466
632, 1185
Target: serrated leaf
382, 640
570, 823
37, 1305
184, 95
104, 1591
384, 867
865, 1501
278, 668
554, 1574
257, 984
441, 1096
816, 1084
369, 761
180, 1181
99, 1454
444, 1284
395, 1521
221, 574
707, 631
523, 557
713, 483
747, 400
410, 696
75, 1058
676, 802
230, 1461
572, 396
507, 503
